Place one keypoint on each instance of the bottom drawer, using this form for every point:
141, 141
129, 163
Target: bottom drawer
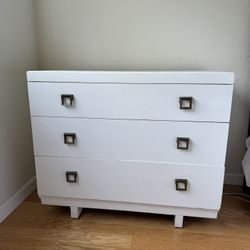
128, 181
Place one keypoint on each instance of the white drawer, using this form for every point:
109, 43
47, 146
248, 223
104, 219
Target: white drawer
136, 182
132, 101
131, 140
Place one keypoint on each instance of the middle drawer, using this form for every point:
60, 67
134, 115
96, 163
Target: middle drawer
161, 141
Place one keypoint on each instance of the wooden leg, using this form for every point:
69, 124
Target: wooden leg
178, 221
75, 212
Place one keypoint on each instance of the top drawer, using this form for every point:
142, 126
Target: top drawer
132, 101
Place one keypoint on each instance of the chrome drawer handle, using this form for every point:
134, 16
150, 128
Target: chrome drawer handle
183, 143
67, 100
181, 184
186, 102
71, 176
69, 138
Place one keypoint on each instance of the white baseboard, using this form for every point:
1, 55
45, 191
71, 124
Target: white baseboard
234, 179
15, 200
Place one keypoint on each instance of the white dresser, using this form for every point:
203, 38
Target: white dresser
136, 141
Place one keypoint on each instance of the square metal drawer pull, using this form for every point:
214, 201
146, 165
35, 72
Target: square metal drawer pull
71, 176
69, 138
183, 143
67, 100
186, 102
181, 184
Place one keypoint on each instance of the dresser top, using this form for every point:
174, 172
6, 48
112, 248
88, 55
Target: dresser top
150, 77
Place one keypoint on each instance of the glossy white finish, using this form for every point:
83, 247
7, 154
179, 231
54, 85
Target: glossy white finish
195, 77
128, 206
129, 181
131, 140
75, 212
178, 221
132, 101
126, 125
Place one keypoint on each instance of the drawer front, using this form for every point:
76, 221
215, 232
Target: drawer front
131, 140
132, 101
137, 182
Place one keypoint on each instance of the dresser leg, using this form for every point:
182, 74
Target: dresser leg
178, 221
75, 212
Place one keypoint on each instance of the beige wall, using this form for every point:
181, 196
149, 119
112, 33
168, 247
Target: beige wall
17, 54
152, 35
